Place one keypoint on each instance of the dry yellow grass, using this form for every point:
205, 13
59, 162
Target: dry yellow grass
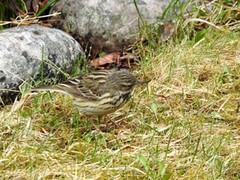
184, 125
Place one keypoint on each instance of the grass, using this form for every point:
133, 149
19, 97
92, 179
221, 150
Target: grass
183, 125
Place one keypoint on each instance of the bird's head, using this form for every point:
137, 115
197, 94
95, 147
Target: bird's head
123, 80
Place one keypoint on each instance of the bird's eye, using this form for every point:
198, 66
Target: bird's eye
127, 85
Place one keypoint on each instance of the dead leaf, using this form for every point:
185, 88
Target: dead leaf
107, 59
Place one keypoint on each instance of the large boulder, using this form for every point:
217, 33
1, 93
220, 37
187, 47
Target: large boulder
106, 25
33, 52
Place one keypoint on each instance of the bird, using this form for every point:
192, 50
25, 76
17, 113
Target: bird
99, 92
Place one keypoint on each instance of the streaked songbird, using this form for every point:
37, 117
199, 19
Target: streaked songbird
98, 93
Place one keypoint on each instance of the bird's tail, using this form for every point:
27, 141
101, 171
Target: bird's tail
47, 88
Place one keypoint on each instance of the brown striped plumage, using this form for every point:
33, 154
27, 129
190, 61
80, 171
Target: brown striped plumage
98, 93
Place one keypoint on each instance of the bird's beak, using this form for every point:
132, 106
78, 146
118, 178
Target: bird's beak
143, 81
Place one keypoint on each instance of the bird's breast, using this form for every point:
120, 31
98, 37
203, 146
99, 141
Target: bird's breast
105, 105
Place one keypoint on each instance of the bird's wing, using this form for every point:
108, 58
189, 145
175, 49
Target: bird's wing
90, 86
75, 88
95, 83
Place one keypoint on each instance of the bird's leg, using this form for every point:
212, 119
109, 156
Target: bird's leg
100, 128
103, 127
112, 121
93, 124
99, 119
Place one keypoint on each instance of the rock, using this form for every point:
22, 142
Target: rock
32, 52
106, 25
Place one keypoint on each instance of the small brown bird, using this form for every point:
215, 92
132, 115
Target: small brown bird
98, 93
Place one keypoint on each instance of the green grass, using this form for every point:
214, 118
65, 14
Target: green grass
184, 125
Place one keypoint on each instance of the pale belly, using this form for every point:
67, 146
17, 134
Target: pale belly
102, 107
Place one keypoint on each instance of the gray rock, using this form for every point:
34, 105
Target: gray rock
107, 25
23, 50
